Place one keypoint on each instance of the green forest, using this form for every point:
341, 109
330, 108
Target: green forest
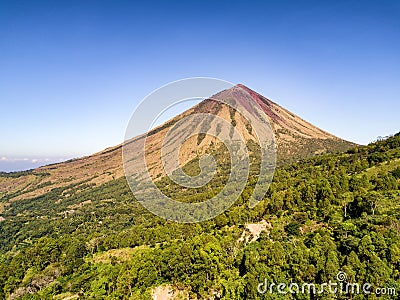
327, 214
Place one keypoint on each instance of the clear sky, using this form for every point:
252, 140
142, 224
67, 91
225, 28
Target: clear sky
71, 72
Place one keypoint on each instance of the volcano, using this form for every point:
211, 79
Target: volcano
295, 139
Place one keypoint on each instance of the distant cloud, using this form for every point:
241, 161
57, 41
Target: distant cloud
11, 164
32, 160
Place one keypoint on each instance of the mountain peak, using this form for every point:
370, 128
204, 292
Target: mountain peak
244, 87
256, 96
294, 136
241, 85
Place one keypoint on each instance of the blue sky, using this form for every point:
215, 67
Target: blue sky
71, 72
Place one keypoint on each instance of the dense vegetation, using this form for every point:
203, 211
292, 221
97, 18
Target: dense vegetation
331, 213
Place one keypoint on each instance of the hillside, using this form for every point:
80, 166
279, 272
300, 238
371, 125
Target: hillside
330, 213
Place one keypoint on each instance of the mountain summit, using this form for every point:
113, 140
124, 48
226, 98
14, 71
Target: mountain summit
295, 139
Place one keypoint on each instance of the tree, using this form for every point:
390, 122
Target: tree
373, 200
345, 200
396, 173
293, 228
